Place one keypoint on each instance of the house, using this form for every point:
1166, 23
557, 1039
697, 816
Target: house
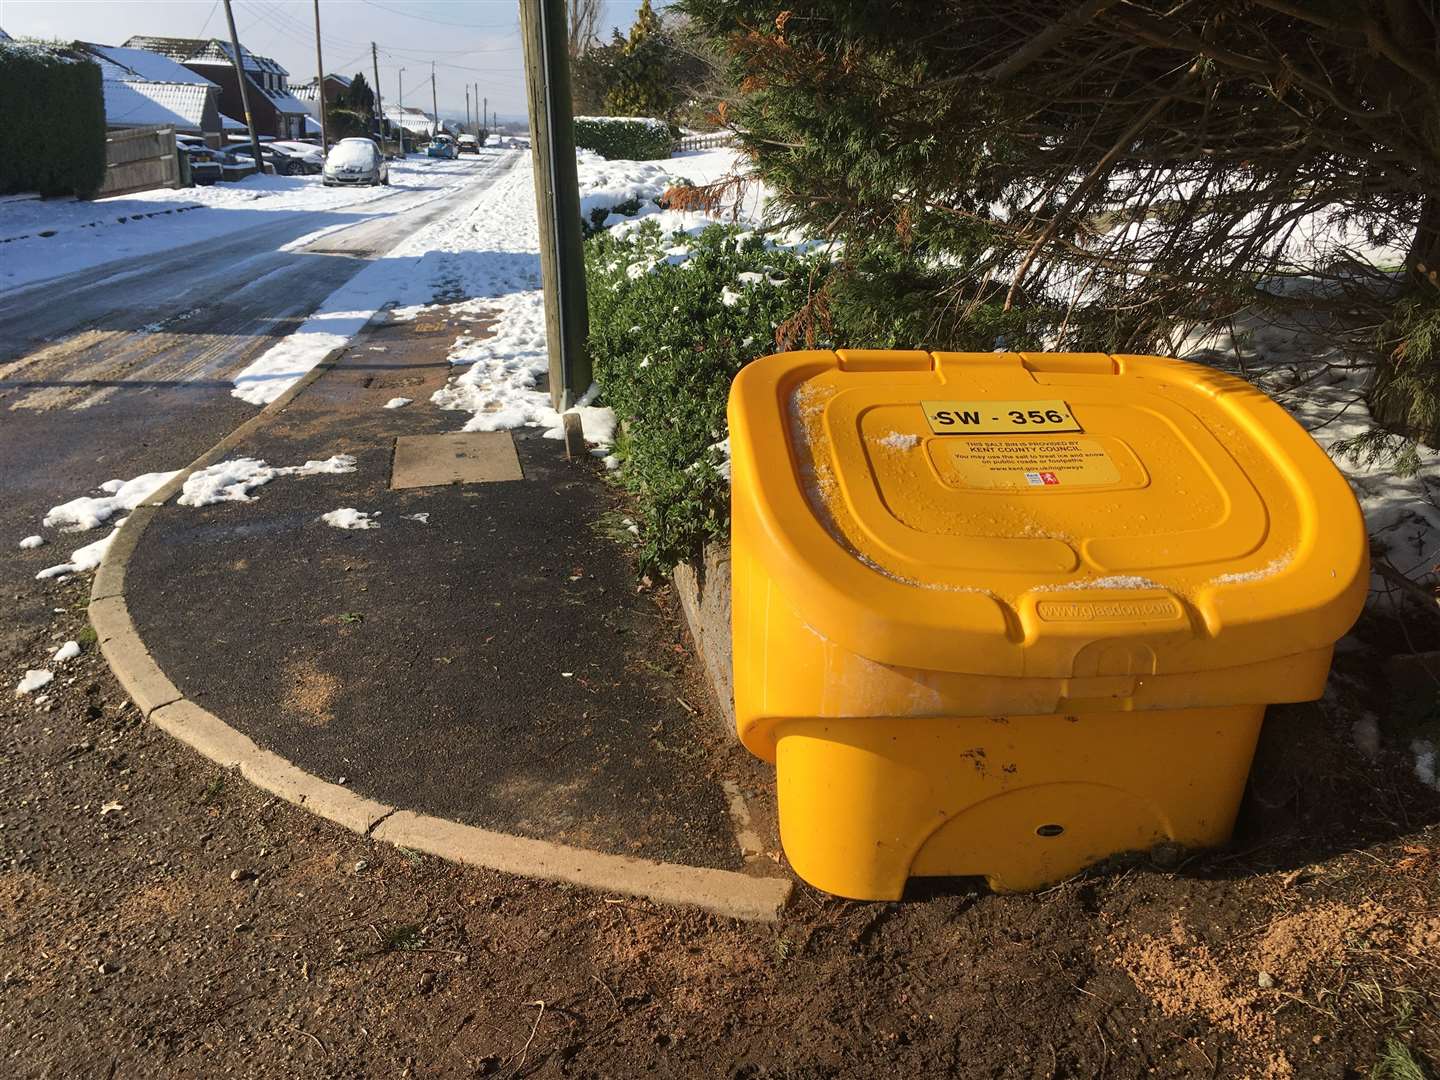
144, 88
309, 94
277, 112
417, 123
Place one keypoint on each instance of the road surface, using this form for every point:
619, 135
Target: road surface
126, 368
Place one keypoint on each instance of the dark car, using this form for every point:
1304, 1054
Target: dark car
204, 162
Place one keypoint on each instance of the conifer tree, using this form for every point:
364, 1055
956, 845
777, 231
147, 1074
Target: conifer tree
641, 70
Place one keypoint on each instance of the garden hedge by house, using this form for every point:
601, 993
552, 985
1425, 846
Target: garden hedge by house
630, 138
53, 136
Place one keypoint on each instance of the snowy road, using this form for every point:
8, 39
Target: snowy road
126, 366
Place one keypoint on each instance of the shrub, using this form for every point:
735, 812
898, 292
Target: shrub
631, 139
673, 319
665, 344
53, 136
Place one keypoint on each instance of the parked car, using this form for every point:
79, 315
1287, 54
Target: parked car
204, 162
467, 144
235, 165
287, 161
355, 161
311, 156
442, 146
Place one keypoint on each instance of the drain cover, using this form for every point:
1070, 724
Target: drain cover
465, 457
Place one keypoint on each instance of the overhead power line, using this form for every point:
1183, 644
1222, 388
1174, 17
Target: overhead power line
432, 19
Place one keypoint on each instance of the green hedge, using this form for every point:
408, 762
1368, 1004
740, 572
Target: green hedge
636, 139
673, 318
665, 344
52, 133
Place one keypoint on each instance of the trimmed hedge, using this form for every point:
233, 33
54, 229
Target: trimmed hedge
52, 138
637, 139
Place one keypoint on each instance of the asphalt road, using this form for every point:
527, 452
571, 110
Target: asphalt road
126, 368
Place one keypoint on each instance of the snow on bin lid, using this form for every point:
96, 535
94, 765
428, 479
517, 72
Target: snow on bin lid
997, 513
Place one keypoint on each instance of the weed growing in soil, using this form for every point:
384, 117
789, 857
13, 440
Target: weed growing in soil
1397, 1062
403, 938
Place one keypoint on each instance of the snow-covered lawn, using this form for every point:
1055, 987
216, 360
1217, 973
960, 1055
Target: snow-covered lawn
41, 239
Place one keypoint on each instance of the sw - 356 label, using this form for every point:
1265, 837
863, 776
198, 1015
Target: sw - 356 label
998, 417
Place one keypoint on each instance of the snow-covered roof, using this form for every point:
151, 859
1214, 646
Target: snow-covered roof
284, 101
4, 36
410, 119
203, 51
137, 104
139, 65
231, 125
312, 126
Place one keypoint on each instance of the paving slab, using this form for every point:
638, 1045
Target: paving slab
483, 656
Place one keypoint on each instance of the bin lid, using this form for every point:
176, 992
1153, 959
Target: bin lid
1042, 514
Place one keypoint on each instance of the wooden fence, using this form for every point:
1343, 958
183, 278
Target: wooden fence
703, 142
138, 159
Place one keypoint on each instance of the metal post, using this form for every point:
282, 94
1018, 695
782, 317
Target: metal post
467, 108
320, 84
557, 197
434, 104
379, 102
244, 94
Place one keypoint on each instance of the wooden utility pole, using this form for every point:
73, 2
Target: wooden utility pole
557, 197
434, 104
379, 102
467, 108
320, 84
244, 94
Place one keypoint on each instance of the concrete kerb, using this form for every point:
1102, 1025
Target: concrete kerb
723, 892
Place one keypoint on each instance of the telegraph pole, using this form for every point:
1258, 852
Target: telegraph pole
434, 105
467, 108
379, 102
320, 84
557, 197
244, 94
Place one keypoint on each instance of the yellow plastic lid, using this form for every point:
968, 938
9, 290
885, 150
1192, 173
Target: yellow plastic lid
1046, 515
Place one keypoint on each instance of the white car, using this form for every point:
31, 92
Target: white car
355, 161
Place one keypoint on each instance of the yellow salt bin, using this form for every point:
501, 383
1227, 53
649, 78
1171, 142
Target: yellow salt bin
1009, 614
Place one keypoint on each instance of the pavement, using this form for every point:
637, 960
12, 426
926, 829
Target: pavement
126, 368
489, 683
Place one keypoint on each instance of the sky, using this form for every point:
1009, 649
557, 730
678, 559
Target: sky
470, 41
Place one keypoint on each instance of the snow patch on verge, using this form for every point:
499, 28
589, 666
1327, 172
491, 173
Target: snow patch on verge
82, 559
232, 481
398, 402
347, 517
33, 681
90, 512
68, 651
31, 541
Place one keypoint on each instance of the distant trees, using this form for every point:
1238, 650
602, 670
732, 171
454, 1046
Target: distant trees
662, 68
583, 24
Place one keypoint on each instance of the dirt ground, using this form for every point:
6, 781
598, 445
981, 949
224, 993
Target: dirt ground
159, 918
